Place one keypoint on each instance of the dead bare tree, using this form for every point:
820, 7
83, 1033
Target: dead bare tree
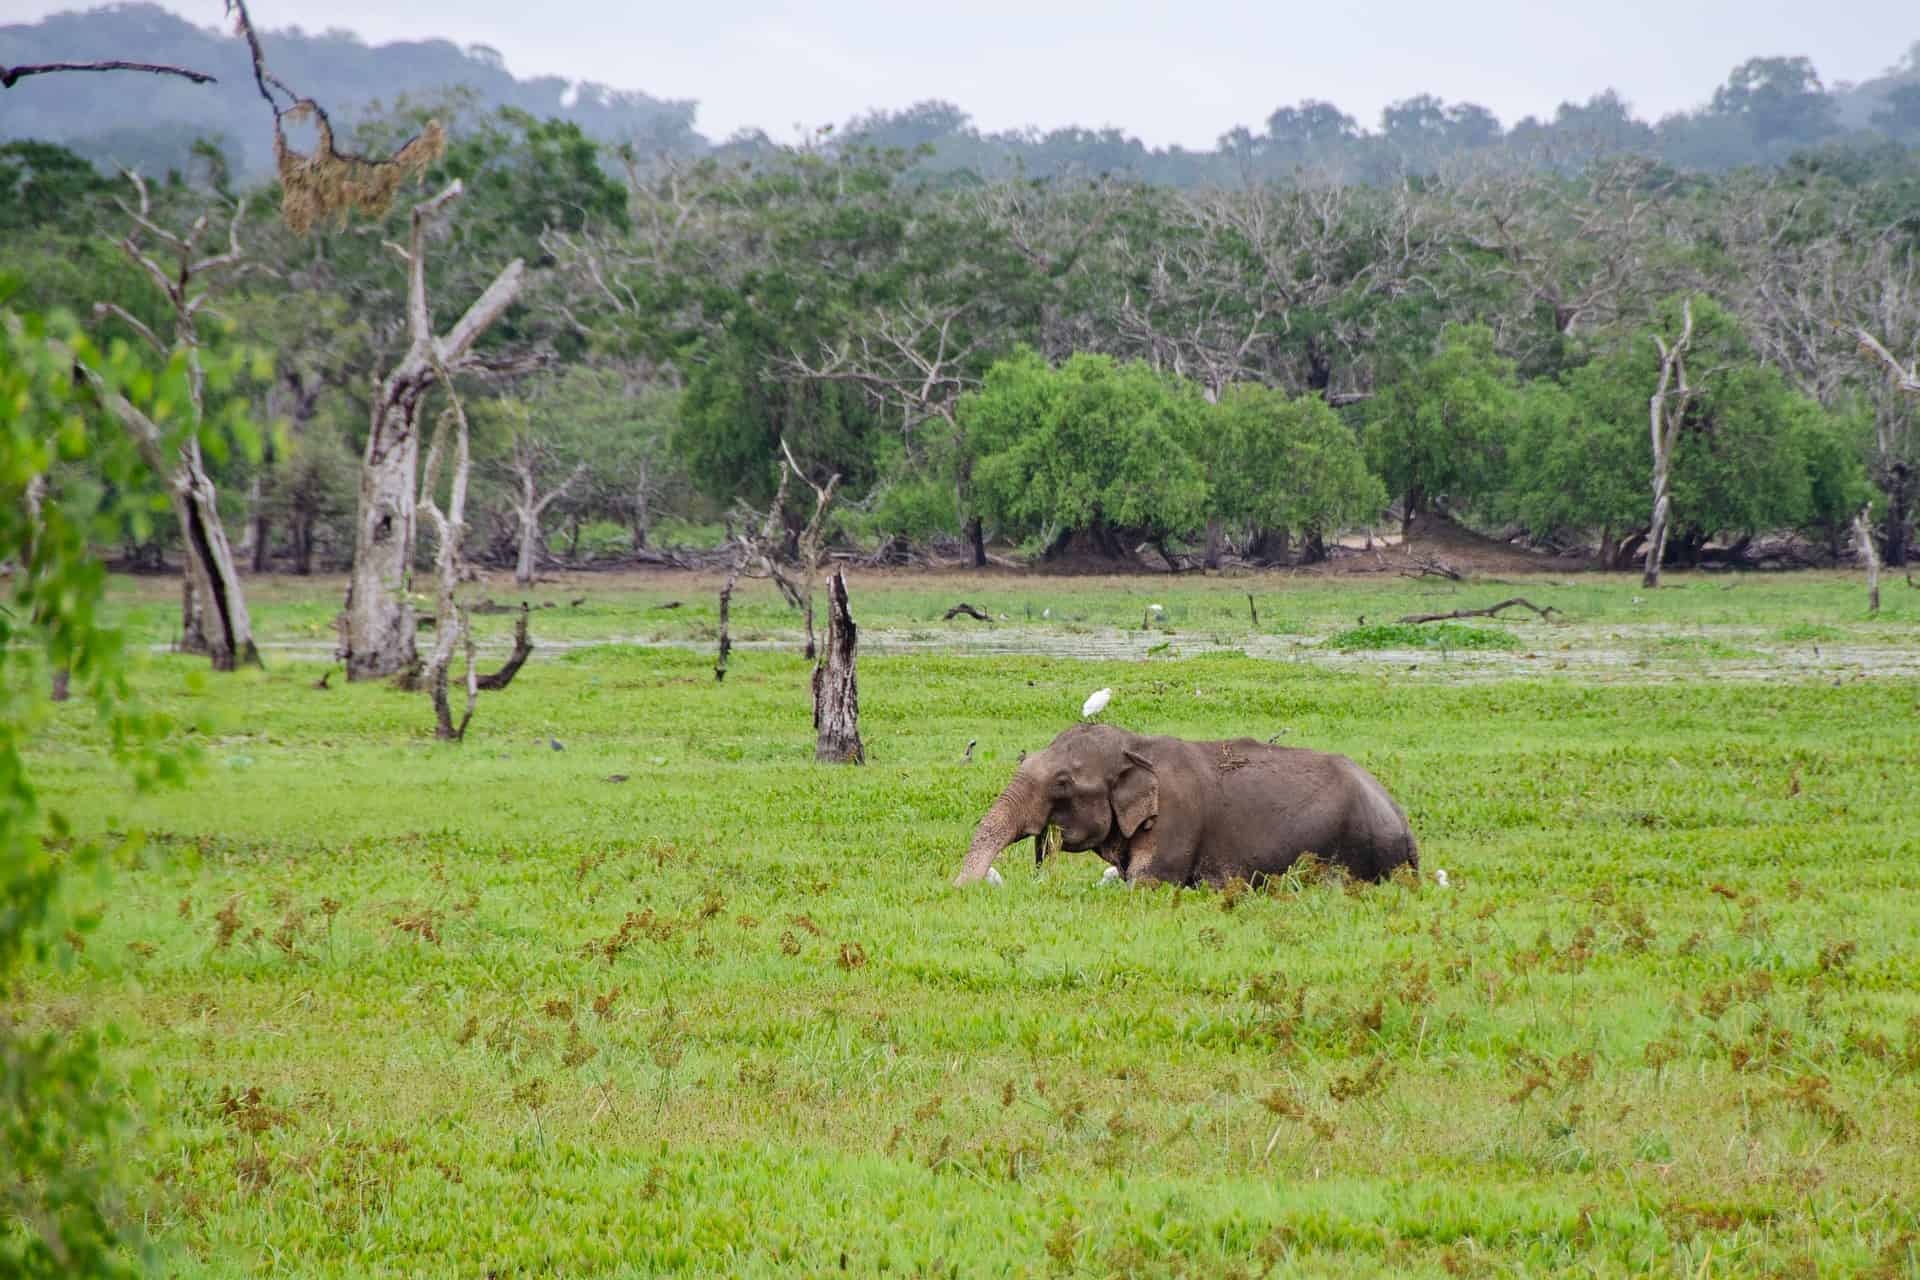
453, 626
916, 358
752, 545
527, 459
213, 613
1905, 376
836, 688
1667, 411
1818, 286
1863, 539
1577, 250
811, 545
379, 628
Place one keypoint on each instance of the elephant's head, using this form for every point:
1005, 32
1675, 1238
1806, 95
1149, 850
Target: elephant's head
1094, 782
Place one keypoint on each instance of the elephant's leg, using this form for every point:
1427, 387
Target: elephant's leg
1151, 855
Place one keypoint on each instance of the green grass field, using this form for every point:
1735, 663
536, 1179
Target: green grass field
481, 1009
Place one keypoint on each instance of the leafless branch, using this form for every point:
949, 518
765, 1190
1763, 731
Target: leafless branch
132, 322
9, 75
1487, 612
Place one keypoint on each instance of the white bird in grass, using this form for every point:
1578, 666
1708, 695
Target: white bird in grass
1110, 875
1440, 877
1096, 703
993, 878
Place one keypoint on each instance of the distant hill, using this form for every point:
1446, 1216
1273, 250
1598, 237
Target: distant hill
152, 121
1769, 110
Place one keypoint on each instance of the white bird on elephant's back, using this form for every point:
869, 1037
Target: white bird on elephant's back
1096, 703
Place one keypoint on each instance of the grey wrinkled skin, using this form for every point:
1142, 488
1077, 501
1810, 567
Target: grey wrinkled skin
1196, 812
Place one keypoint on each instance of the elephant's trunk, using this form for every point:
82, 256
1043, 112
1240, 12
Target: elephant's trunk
1018, 813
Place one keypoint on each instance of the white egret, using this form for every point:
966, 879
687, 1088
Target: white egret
1440, 877
1110, 875
993, 878
1096, 703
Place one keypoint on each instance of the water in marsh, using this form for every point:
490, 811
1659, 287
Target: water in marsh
1603, 653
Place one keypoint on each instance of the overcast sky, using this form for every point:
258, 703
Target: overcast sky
1166, 72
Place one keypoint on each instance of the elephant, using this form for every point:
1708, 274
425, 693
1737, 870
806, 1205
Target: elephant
1188, 813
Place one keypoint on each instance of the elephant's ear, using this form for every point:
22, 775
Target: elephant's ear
1136, 794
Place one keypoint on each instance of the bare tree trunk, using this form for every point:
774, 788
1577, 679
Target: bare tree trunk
302, 534
976, 535
1863, 536
529, 536
1216, 538
1666, 410
1899, 498
193, 629
452, 628
1657, 533
836, 690
642, 516
216, 583
259, 529
379, 620
211, 600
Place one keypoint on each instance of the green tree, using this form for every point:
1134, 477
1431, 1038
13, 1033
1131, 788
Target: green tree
46, 185
1577, 466
70, 476
1095, 447
1286, 464
1441, 430
1778, 100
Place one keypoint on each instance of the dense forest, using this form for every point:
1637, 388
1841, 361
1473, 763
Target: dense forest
1442, 316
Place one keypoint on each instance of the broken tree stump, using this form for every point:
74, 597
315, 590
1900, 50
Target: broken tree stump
726, 639
1488, 612
836, 690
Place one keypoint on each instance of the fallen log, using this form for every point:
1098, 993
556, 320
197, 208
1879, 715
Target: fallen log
1488, 612
964, 608
1432, 568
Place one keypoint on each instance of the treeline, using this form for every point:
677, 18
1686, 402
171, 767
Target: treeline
1765, 110
1048, 363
